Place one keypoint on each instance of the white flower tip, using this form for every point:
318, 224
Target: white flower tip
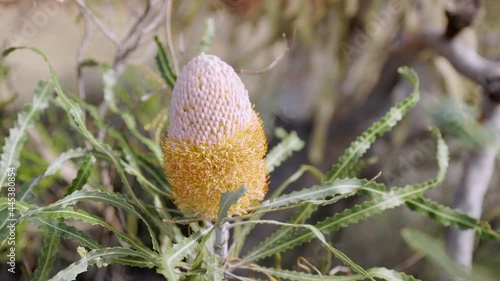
209, 102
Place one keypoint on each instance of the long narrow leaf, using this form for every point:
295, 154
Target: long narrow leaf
100, 257
383, 201
109, 81
362, 144
94, 220
228, 199
299, 217
48, 257
290, 143
315, 232
173, 256
163, 62
450, 217
67, 155
5, 215
17, 134
214, 270
318, 194
378, 272
82, 175
67, 232
241, 232
76, 114
87, 195
312, 197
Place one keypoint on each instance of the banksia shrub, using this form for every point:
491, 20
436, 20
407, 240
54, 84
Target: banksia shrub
216, 141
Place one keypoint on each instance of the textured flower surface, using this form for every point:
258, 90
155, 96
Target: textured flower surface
215, 142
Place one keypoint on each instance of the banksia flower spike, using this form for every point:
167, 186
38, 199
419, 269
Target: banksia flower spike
216, 141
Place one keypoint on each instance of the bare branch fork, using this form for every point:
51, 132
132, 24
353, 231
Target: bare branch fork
480, 165
444, 42
145, 24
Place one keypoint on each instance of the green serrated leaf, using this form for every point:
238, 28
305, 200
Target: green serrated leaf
5, 215
357, 148
450, 217
370, 208
173, 256
109, 81
131, 124
133, 167
101, 256
68, 232
311, 202
228, 199
77, 120
214, 270
299, 217
325, 193
48, 257
17, 134
163, 63
382, 201
390, 275
82, 195
134, 170
410, 75
94, 220
67, 155
87, 195
82, 175
242, 233
134, 261
315, 232
378, 272
290, 143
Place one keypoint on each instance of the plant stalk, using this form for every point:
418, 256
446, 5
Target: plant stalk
221, 241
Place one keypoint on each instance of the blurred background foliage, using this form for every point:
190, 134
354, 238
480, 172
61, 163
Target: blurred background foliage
320, 67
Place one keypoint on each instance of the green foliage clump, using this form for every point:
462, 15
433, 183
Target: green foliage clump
182, 249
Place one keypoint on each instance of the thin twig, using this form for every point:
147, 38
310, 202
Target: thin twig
272, 64
130, 43
170, 42
138, 22
409, 262
80, 55
134, 36
480, 165
102, 27
478, 171
157, 20
221, 241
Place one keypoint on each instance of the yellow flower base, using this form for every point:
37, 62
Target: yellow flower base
200, 173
